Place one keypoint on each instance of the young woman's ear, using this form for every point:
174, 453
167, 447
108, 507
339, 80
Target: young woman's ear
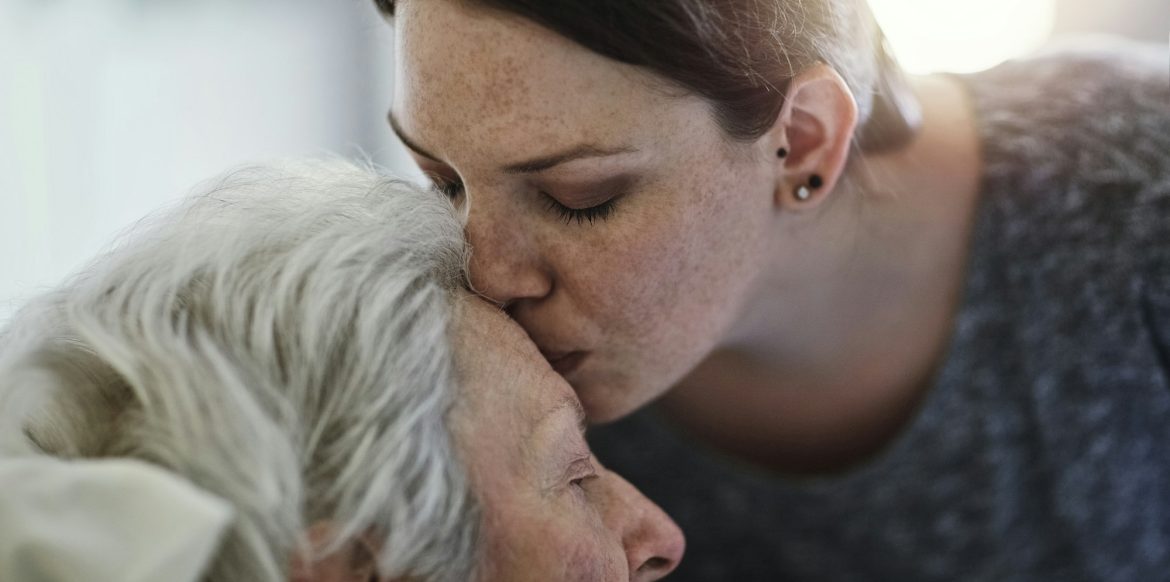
355, 562
812, 137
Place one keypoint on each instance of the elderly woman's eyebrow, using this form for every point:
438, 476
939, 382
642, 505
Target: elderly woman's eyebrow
569, 401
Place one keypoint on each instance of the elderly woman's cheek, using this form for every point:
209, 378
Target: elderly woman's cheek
594, 558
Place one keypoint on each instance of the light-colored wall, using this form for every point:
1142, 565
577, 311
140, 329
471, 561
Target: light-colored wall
1147, 20
111, 108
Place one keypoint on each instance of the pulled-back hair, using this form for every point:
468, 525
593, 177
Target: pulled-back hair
280, 341
740, 55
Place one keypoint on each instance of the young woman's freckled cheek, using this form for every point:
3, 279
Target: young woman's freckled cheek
674, 246
634, 302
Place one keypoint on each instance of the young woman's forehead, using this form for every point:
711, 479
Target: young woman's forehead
507, 77
447, 44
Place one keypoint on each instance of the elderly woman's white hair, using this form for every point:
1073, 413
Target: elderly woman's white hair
281, 342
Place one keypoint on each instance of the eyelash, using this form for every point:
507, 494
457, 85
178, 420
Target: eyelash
567, 215
579, 482
449, 188
453, 189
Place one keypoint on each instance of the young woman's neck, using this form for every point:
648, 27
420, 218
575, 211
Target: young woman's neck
844, 332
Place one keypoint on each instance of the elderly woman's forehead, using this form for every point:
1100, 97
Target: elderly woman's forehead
499, 366
488, 339
476, 319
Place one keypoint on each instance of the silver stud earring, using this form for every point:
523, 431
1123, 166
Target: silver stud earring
805, 192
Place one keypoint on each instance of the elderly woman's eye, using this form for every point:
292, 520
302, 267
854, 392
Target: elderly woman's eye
580, 481
584, 472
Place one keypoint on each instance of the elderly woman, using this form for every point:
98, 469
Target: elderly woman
295, 349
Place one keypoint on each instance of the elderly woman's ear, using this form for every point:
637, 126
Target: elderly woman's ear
354, 562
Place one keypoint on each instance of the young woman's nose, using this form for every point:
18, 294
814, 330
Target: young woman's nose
505, 264
654, 544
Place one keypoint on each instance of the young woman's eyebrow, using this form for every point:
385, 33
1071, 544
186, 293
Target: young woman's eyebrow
582, 151
414, 147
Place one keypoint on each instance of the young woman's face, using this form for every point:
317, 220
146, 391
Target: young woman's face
551, 513
606, 209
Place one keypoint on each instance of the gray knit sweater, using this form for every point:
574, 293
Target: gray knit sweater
1043, 450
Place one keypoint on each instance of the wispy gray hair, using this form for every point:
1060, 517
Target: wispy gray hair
281, 341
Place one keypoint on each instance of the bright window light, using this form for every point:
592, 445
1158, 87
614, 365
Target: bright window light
963, 35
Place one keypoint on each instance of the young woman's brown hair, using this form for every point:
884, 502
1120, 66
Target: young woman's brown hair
740, 54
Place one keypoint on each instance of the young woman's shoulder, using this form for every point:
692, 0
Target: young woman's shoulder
1093, 110
1069, 77
1075, 222
1078, 137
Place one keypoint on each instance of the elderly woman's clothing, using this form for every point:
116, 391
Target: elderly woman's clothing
110, 520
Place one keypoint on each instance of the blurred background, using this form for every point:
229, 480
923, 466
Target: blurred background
111, 108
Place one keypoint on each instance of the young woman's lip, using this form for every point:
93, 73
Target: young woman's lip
566, 362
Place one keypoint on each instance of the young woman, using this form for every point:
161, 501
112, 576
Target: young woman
934, 311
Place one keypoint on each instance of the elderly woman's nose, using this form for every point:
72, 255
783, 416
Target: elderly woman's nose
505, 262
653, 543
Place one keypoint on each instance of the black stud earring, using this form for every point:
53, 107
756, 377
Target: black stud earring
805, 192
782, 153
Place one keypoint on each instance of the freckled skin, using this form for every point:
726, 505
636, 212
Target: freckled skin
537, 526
647, 292
796, 335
